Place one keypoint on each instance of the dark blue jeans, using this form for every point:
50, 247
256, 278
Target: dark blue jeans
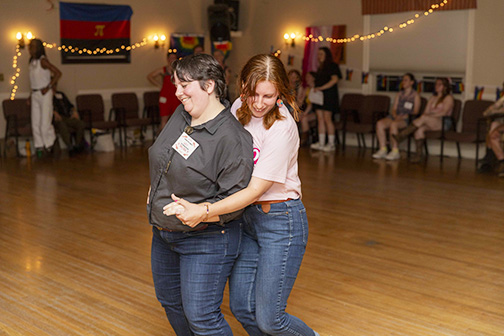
273, 246
190, 271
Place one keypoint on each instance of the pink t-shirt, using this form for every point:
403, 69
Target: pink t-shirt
275, 155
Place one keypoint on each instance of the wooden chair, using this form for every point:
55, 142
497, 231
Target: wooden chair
473, 126
449, 124
373, 108
151, 109
92, 112
17, 115
125, 108
350, 104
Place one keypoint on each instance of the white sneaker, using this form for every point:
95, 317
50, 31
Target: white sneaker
329, 148
316, 146
381, 154
393, 155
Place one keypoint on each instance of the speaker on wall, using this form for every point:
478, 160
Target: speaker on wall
234, 12
219, 21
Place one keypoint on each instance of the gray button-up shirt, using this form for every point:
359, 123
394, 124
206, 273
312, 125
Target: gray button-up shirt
220, 166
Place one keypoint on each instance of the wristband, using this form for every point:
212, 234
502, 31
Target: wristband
207, 211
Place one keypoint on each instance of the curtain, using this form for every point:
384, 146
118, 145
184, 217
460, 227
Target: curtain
370, 7
310, 61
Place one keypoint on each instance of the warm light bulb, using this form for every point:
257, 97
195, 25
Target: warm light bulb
292, 36
286, 36
19, 36
155, 38
163, 37
29, 35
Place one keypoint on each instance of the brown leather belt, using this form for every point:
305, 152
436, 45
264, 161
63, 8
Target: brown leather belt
272, 202
203, 227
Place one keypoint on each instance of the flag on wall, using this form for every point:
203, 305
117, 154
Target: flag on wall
381, 82
461, 87
290, 60
499, 93
185, 43
419, 86
90, 28
349, 74
478, 92
365, 77
224, 46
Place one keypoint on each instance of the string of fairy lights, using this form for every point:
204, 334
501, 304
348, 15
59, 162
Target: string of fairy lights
67, 49
143, 42
376, 34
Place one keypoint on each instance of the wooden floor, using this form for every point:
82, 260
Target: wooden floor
394, 248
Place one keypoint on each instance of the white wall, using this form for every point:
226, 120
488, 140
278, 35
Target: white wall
420, 48
436, 43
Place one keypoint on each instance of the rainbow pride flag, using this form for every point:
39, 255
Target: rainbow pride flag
499, 93
419, 86
478, 92
365, 77
185, 43
349, 74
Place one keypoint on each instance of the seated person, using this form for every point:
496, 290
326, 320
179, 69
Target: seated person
66, 121
438, 106
494, 149
304, 102
406, 103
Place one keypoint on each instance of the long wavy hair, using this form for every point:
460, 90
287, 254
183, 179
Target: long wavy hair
446, 89
327, 61
260, 68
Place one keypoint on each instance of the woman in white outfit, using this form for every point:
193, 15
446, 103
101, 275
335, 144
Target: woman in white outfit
43, 75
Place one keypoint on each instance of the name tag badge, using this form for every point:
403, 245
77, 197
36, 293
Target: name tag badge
408, 105
162, 100
58, 96
185, 145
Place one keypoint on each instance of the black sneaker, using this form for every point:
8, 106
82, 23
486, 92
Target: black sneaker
485, 167
501, 170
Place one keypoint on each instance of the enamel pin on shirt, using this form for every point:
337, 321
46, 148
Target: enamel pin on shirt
185, 145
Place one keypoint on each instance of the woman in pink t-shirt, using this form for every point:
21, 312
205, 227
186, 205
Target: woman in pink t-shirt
275, 223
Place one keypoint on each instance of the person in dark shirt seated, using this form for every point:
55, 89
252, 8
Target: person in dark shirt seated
66, 121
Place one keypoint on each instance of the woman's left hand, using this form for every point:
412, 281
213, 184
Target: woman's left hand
189, 213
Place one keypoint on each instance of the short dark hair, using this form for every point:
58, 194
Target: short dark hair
201, 68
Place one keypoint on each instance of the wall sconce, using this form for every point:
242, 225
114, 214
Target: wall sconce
159, 41
20, 38
21, 42
290, 39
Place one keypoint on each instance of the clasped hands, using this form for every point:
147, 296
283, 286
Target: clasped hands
189, 213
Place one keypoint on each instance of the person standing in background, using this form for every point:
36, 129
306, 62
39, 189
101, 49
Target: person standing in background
328, 76
43, 76
162, 78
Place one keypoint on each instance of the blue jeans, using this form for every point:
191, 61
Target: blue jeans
190, 271
273, 246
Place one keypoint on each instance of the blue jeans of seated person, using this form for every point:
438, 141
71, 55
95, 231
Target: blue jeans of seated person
190, 271
273, 246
